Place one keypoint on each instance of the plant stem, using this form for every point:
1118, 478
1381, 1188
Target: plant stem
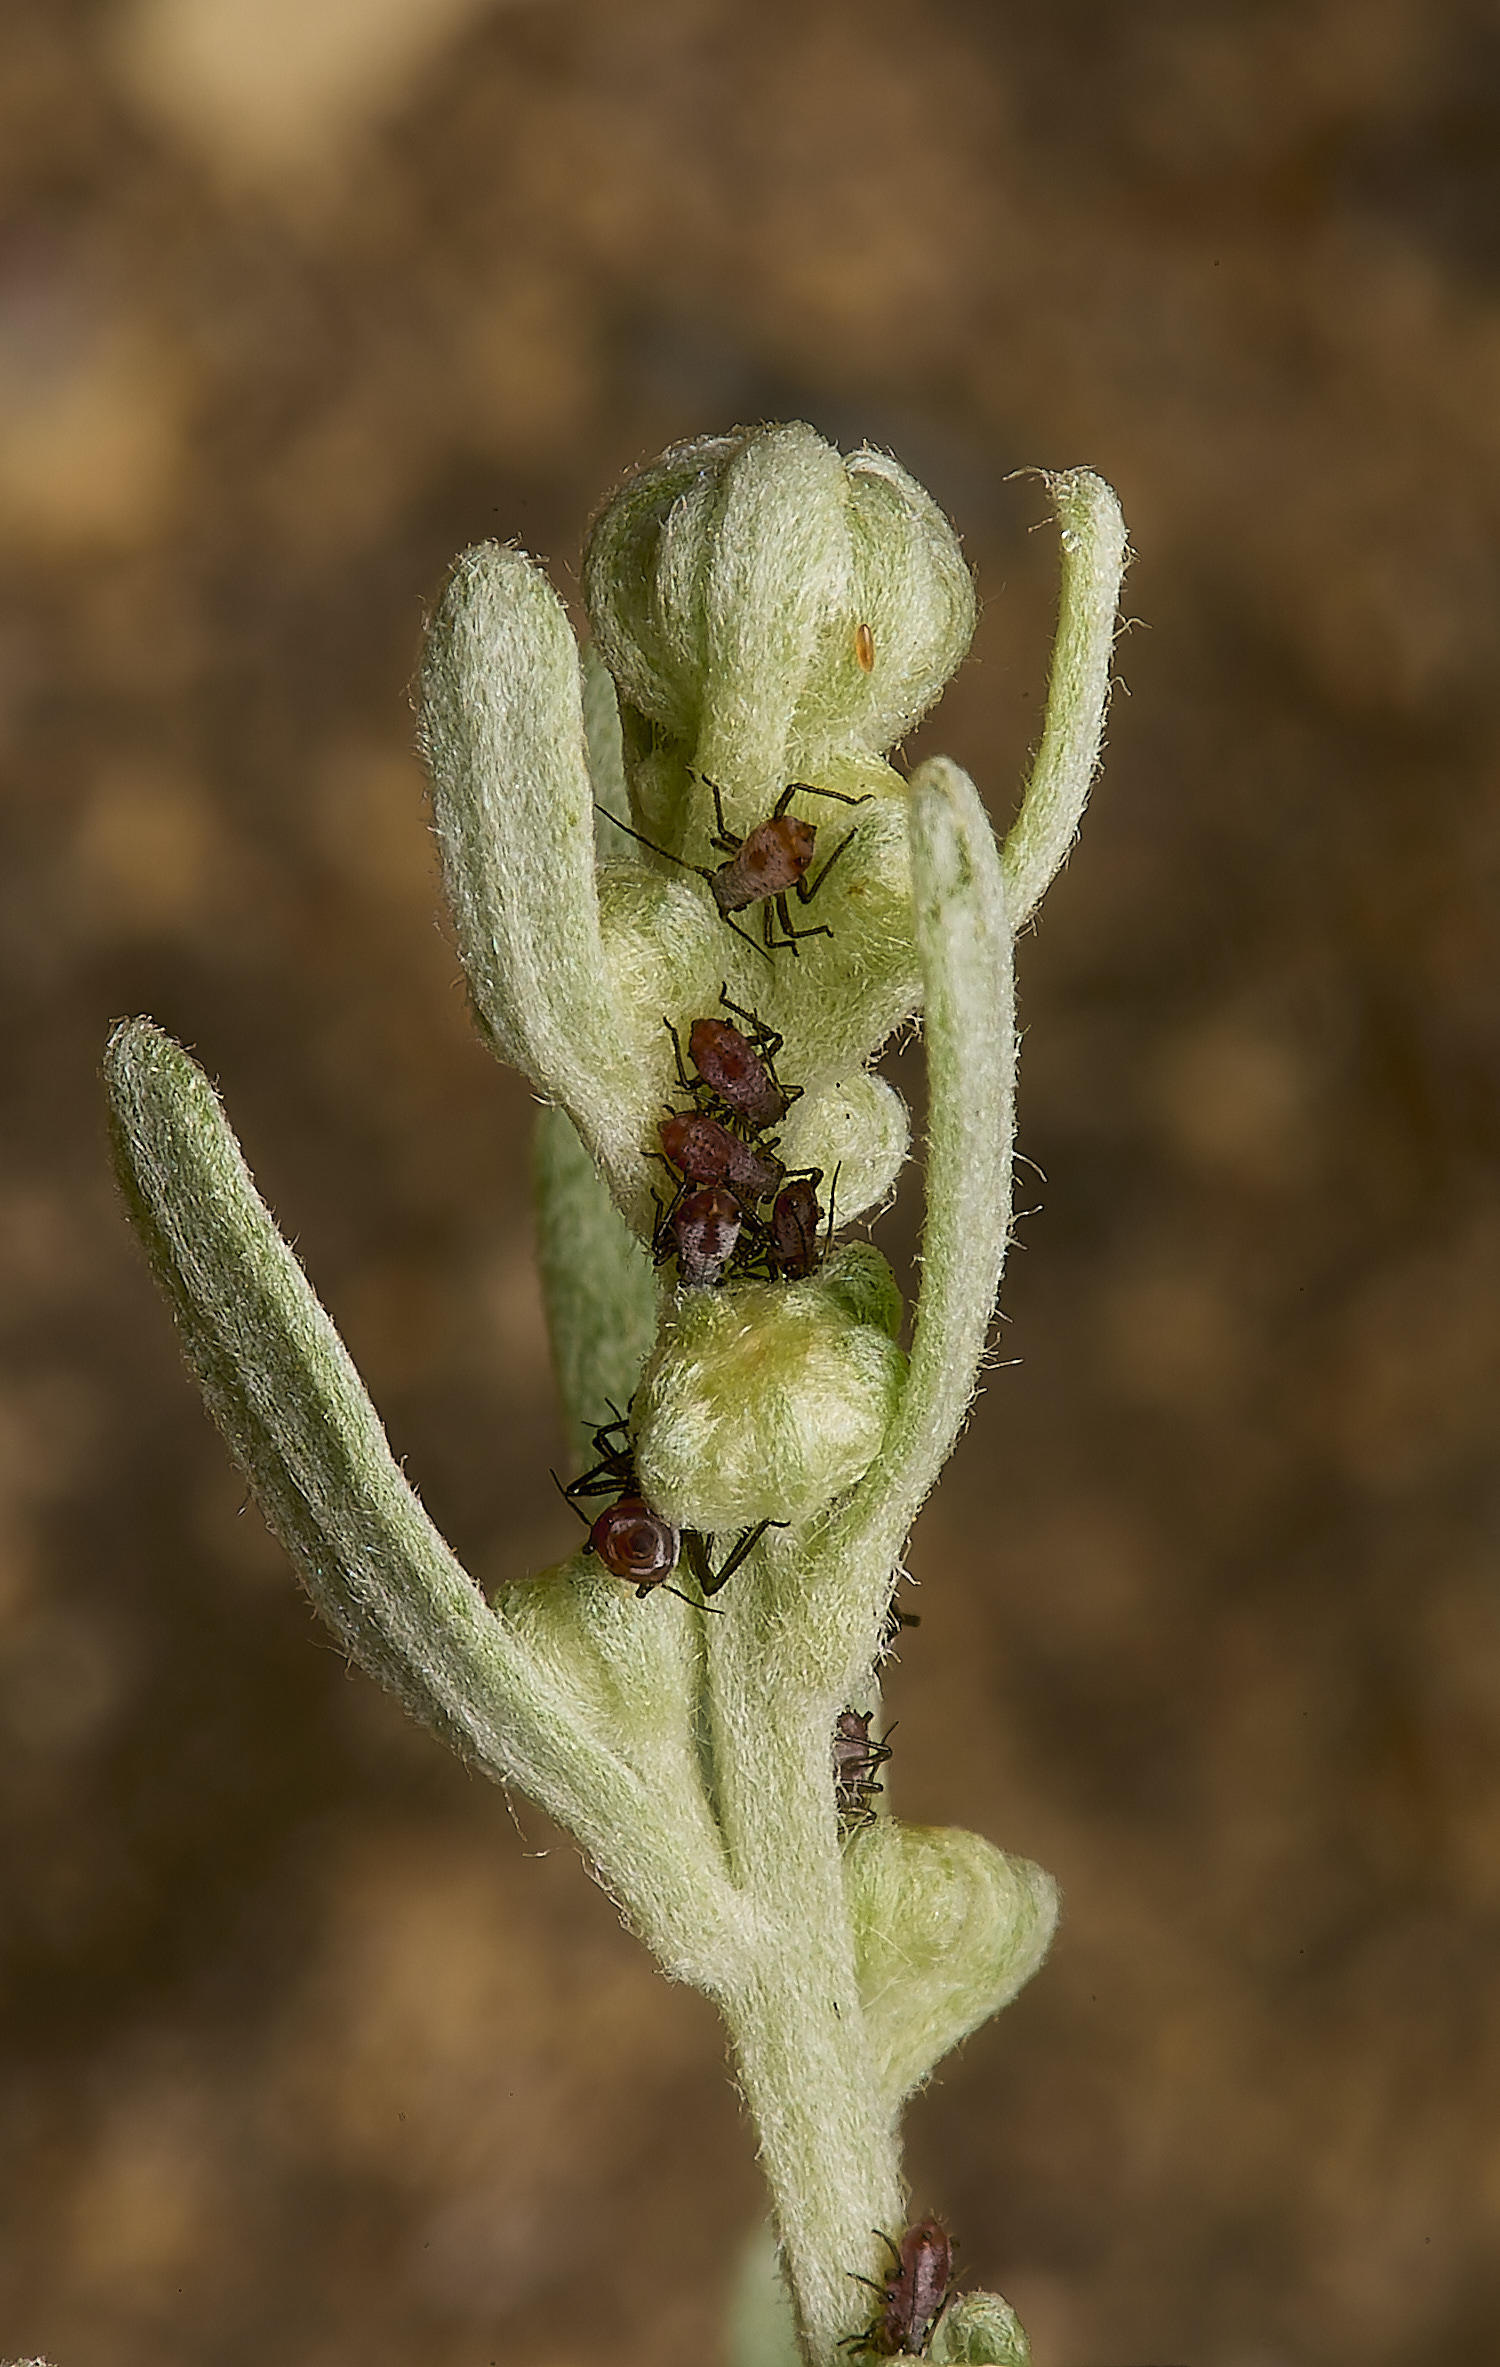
828, 2138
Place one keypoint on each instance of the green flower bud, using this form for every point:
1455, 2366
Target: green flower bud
979, 2330
776, 606
764, 1400
948, 1930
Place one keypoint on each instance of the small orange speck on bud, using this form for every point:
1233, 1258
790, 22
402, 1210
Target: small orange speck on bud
864, 648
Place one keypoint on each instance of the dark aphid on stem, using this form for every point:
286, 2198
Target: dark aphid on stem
705, 1152
636, 1543
795, 1222
765, 867
793, 1251
703, 1230
912, 2295
855, 1759
735, 1070
629, 1538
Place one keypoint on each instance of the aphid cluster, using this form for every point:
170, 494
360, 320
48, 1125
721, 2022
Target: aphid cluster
726, 1169
855, 1759
630, 1539
912, 2296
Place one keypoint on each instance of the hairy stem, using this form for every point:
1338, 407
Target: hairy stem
828, 2137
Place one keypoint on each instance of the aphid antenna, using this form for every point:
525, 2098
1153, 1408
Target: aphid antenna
699, 872
641, 840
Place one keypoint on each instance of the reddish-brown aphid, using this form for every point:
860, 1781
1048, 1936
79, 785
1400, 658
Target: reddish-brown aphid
765, 867
855, 1759
704, 1229
634, 1542
912, 2295
630, 1539
733, 1070
864, 649
795, 1222
704, 1152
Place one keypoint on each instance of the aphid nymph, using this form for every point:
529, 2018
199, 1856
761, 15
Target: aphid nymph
912, 2295
766, 866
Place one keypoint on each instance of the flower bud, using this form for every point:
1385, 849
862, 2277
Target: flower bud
764, 1400
979, 2330
948, 1930
775, 605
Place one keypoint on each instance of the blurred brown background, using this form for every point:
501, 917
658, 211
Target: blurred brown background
312, 2052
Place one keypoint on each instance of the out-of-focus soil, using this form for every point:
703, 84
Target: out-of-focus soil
312, 2052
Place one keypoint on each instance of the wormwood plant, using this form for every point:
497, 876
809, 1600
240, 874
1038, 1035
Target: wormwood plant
765, 611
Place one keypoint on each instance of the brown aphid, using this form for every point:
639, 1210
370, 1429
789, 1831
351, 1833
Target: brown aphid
864, 649
636, 1543
795, 1223
704, 1152
704, 1230
912, 2295
629, 1538
729, 1065
766, 866
855, 1759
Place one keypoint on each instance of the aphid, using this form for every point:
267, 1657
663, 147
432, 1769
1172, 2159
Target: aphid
864, 649
636, 1543
793, 1249
704, 1152
735, 1070
629, 1538
795, 1219
765, 867
855, 1759
912, 2295
703, 1228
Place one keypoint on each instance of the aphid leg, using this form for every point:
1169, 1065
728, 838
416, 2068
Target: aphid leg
725, 840
567, 1499
683, 1078
789, 935
807, 789
767, 1042
662, 1243
745, 1545
763, 950
641, 1593
807, 889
